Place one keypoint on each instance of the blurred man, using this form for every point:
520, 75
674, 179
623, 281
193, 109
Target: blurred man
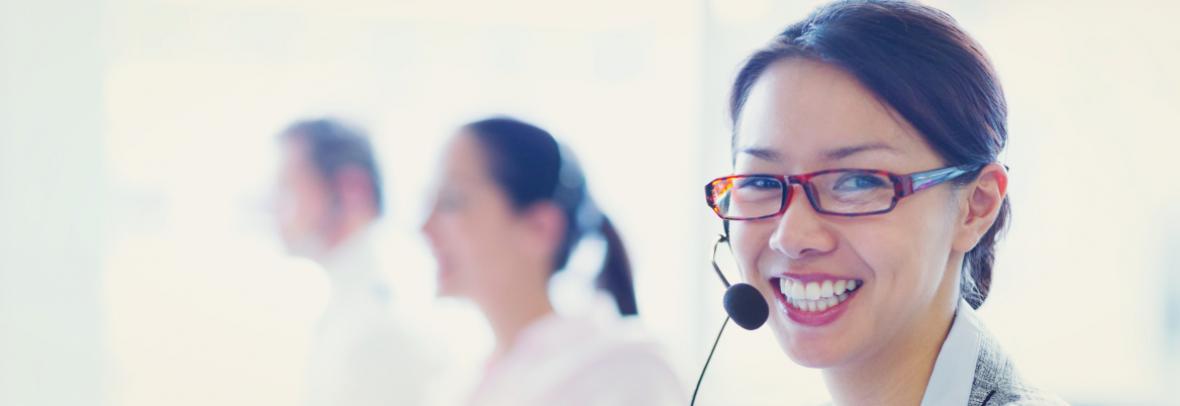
329, 197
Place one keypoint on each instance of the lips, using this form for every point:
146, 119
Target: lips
814, 299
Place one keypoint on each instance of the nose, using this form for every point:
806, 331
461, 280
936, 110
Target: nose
427, 228
801, 232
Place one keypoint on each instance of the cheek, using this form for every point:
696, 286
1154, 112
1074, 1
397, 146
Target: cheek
461, 241
906, 259
894, 275
749, 239
300, 212
908, 251
475, 249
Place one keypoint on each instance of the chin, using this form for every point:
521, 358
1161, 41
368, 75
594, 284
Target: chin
812, 357
813, 351
301, 249
446, 288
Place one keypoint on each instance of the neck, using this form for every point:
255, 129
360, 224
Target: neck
898, 373
347, 228
513, 313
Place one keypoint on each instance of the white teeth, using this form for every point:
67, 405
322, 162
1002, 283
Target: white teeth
797, 290
816, 296
825, 290
812, 291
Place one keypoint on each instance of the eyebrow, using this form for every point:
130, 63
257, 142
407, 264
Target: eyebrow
837, 154
764, 154
845, 152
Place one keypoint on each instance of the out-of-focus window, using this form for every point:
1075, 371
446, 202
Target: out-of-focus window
204, 307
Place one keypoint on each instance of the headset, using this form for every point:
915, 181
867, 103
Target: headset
743, 304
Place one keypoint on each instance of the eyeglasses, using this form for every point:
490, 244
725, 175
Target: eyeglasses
839, 192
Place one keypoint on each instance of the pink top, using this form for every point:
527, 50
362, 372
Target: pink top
579, 362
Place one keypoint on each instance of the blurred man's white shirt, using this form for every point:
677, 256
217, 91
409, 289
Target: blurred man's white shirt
361, 352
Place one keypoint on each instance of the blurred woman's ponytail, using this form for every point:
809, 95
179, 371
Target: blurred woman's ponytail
531, 167
615, 276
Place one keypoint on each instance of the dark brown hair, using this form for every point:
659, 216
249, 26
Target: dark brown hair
917, 60
531, 167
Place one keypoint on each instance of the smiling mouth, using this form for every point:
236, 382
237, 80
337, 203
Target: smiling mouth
815, 296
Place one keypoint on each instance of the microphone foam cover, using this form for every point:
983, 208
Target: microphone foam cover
746, 306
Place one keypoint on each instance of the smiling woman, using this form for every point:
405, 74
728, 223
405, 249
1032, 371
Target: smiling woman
889, 119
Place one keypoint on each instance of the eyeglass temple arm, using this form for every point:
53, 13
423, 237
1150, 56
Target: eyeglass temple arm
922, 180
717, 269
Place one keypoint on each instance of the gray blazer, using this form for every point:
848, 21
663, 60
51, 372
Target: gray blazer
997, 383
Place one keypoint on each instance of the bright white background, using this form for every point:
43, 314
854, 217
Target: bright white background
138, 267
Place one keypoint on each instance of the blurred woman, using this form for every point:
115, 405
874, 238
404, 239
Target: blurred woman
511, 207
867, 201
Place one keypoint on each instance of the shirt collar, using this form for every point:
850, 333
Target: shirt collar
954, 370
352, 267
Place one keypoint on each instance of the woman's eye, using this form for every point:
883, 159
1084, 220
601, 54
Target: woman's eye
450, 201
860, 181
759, 183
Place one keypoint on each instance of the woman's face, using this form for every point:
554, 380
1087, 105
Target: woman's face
472, 229
803, 116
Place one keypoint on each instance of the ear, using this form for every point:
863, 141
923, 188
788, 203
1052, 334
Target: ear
353, 190
982, 201
543, 228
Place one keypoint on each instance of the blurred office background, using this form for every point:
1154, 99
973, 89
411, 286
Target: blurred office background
138, 265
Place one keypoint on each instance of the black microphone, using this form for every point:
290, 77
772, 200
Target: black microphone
743, 304
746, 306
742, 301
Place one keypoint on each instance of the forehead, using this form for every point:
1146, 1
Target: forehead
807, 112
296, 154
464, 159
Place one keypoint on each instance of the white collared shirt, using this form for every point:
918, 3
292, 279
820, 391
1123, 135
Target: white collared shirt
954, 370
362, 354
